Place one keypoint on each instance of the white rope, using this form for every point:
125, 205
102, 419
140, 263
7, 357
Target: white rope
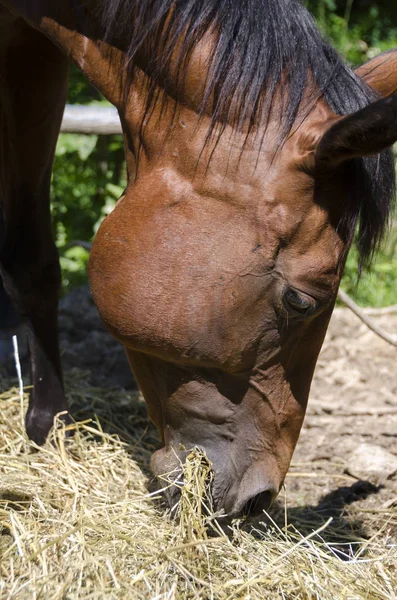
19, 375
370, 323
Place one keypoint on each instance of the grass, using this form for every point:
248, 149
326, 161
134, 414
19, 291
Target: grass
78, 522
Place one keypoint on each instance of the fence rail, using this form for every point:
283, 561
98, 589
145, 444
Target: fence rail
97, 120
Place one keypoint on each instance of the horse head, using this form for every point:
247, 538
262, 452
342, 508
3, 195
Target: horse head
220, 275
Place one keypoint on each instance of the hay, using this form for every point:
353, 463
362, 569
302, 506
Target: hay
77, 522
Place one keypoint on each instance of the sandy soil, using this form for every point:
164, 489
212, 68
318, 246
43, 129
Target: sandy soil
352, 413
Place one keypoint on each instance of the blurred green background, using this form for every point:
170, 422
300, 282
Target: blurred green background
89, 172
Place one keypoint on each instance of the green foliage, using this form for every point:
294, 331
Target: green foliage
378, 286
80, 91
89, 172
358, 34
88, 178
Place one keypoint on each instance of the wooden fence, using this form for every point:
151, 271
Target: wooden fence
97, 120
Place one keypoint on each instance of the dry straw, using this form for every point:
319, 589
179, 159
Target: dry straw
78, 522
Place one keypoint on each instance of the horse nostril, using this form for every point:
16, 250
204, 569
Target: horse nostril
258, 503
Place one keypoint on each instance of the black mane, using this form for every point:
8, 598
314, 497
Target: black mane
260, 47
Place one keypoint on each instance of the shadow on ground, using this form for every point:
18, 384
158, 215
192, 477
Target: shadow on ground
344, 534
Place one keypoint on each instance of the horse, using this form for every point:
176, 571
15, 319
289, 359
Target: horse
253, 155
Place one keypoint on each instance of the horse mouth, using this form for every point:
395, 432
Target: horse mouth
258, 504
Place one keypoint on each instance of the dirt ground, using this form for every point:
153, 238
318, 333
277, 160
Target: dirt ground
353, 405
352, 414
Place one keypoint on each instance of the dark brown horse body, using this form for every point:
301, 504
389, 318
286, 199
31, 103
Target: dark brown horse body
219, 267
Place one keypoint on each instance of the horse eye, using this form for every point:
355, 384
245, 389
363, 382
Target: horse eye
298, 302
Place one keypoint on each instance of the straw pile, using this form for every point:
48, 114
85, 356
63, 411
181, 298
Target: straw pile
77, 522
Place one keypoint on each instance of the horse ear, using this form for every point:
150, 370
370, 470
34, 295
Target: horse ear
363, 133
380, 73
